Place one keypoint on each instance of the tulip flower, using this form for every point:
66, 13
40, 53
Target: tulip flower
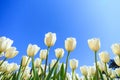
37, 62
59, 52
50, 39
104, 56
116, 48
70, 44
43, 54
94, 45
117, 60
5, 43
11, 52
73, 64
83, 70
117, 70
91, 71
25, 61
32, 50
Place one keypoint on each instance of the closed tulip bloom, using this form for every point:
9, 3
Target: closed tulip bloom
11, 52
24, 61
12, 67
43, 54
73, 64
83, 70
37, 62
59, 52
113, 74
5, 43
91, 71
104, 56
94, 44
116, 48
50, 39
53, 63
70, 44
117, 70
117, 60
32, 50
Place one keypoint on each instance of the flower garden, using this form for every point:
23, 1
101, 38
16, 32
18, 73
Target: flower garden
105, 69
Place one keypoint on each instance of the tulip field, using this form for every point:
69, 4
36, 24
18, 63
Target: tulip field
105, 69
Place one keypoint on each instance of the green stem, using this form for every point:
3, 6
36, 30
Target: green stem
73, 74
33, 68
46, 62
97, 77
106, 71
18, 76
3, 61
66, 64
25, 66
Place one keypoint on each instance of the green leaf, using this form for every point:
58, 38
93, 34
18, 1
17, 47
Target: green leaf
101, 76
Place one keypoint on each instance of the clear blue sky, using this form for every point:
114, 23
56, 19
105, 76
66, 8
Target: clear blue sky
27, 21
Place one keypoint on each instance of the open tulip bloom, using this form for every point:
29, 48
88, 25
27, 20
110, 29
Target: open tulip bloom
105, 69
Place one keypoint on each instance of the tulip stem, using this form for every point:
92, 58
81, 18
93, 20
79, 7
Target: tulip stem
97, 77
48, 49
25, 66
106, 71
66, 64
3, 61
33, 68
18, 76
72, 74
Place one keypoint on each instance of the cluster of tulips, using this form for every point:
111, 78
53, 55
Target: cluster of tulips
56, 70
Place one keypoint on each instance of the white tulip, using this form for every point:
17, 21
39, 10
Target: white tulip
117, 60
43, 54
37, 62
24, 61
59, 52
104, 56
12, 67
113, 74
83, 70
117, 70
101, 66
73, 64
50, 39
5, 43
4, 66
32, 50
11, 52
70, 44
94, 44
53, 63
116, 48
91, 71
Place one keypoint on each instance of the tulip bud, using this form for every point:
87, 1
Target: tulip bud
104, 56
43, 54
11, 52
73, 64
32, 50
50, 39
117, 60
59, 52
12, 67
83, 70
70, 44
24, 61
37, 62
94, 44
117, 70
5, 43
116, 49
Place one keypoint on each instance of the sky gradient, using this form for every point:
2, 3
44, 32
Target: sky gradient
27, 21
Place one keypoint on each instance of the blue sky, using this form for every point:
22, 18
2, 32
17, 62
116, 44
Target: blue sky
27, 21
